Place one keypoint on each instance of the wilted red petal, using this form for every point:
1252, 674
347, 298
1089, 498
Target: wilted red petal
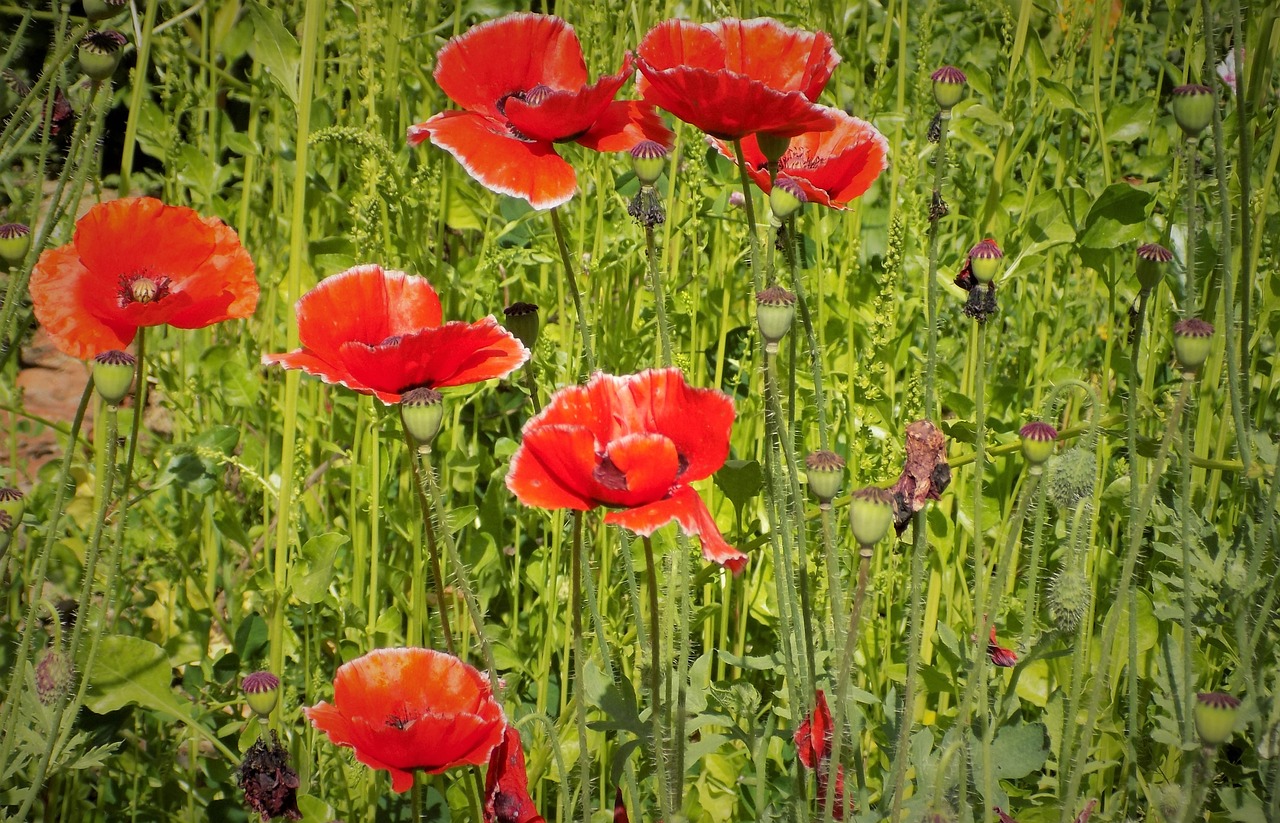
686, 508
626, 124
567, 114
999, 655
813, 737
619, 808
1004, 816
554, 467
506, 786
511, 54
499, 160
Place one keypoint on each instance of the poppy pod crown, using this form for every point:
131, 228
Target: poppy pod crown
632, 444
735, 77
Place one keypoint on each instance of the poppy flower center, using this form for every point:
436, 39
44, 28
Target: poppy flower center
143, 287
399, 720
393, 340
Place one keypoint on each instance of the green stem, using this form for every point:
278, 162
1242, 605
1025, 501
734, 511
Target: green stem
842, 683
834, 575
811, 336
901, 756
1192, 170
665, 800
433, 545
659, 296
1188, 603
748, 207
571, 280
1244, 137
1131, 427
1201, 779
139, 90
931, 304
579, 667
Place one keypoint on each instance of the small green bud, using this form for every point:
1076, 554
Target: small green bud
948, 86
871, 515
12, 504
1192, 340
1037, 444
98, 10
773, 146
1152, 258
775, 309
1072, 476
113, 375
15, 242
522, 321
422, 412
786, 198
1215, 714
100, 53
648, 159
824, 470
984, 260
261, 692
1193, 108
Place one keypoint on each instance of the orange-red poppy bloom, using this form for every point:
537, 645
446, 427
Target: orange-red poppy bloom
408, 709
506, 785
633, 444
999, 655
522, 84
379, 332
136, 262
813, 747
831, 167
733, 77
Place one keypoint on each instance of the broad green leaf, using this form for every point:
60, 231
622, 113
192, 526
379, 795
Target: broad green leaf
1018, 751
315, 572
740, 480
1118, 217
275, 47
130, 671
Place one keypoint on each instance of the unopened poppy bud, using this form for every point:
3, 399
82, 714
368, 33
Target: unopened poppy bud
1192, 340
15, 242
1072, 477
12, 504
648, 159
1070, 596
522, 321
824, 470
422, 412
773, 146
948, 86
1037, 444
984, 260
1216, 714
100, 53
261, 692
1193, 108
786, 198
775, 309
871, 515
98, 10
113, 375
54, 675
1152, 258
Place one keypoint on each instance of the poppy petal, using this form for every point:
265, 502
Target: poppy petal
57, 282
315, 366
624, 125
648, 465
506, 785
500, 161
782, 58
681, 43
133, 234
366, 304
553, 468
511, 54
686, 508
565, 115
225, 289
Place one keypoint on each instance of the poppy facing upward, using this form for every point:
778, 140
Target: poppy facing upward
378, 332
633, 444
408, 709
734, 77
136, 262
522, 84
832, 168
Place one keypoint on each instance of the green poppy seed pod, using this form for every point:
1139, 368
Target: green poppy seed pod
1192, 340
522, 321
113, 375
824, 470
948, 86
984, 260
1152, 258
1037, 444
422, 412
6, 533
100, 53
775, 309
648, 159
1216, 714
98, 10
773, 146
1193, 108
13, 504
787, 197
870, 515
261, 692
15, 242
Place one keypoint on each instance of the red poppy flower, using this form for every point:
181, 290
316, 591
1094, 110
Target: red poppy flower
137, 262
999, 655
408, 709
633, 443
522, 83
813, 747
733, 77
378, 332
832, 167
506, 786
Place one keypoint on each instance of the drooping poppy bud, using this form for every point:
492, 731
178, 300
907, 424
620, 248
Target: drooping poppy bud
1037, 444
775, 310
871, 515
824, 471
1215, 714
1152, 258
54, 675
1193, 108
522, 321
1072, 477
100, 53
1070, 595
948, 86
113, 375
1192, 341
261, 692
773, 146
15, 242
422, 412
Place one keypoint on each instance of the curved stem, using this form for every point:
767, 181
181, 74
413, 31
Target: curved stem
748, 207
1131, 428
571, 280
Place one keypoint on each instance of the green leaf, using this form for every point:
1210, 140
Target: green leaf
311, 581
240, 384
1018, 751
275, 47
130, 671
1117, 218
740, 480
